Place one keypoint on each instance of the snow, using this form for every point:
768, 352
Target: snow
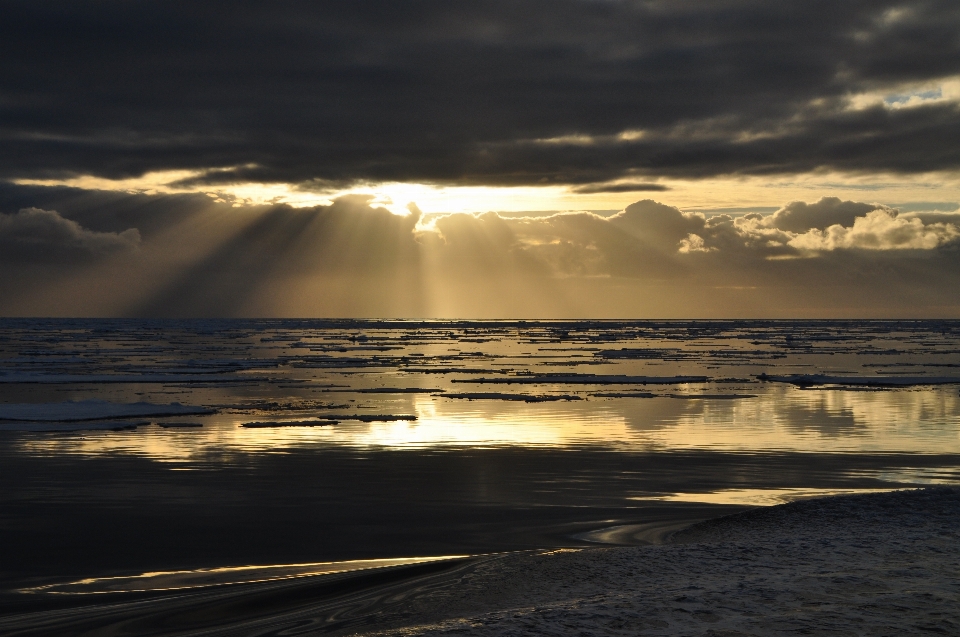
876, 564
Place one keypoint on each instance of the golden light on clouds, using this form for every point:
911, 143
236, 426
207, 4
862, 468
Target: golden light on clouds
706, 194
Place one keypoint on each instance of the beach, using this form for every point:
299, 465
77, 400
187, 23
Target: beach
877, 564
870, 564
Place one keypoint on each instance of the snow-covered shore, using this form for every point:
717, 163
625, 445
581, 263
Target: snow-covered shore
876, 564
869, 564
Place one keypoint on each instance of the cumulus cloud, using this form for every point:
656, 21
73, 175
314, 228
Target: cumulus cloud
39, 235
879, 230
356, 258
654, 222
799, 216
649, 236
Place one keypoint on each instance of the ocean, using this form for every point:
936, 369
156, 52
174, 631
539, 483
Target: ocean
132, 447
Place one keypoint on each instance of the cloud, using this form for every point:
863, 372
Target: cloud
35, 235
799, 216
653, 222
926, 206
198, 257
627, 187
648, 238
576, 92
879, 230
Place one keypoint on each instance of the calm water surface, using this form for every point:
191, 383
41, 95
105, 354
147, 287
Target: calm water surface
450, 437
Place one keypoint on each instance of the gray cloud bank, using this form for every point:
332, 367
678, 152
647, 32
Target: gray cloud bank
43, 235
493, 91
190, 256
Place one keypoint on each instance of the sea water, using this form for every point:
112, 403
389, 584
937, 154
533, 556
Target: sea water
131, 446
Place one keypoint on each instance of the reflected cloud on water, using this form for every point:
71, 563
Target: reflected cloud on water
778, 419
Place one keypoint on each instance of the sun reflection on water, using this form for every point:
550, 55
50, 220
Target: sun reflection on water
780, 419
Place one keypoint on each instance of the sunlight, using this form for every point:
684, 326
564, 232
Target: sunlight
714, 194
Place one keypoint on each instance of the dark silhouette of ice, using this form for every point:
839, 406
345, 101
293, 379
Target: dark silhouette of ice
93, 410
807, 380
288, 423
586, 379
526, 398
370, 417
67, 427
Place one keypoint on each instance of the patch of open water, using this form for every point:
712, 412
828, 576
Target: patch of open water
386, 439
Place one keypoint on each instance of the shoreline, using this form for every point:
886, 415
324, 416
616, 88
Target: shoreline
888, 561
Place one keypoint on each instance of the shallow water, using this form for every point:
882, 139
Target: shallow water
578, 426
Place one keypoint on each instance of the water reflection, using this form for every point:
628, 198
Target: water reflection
464, 476
757, 497
290, 370
205, 577
779, 419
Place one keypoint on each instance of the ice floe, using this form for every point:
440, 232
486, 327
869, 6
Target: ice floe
807, 380
526, 398
93, 410
586, 379
269, 424
370, 417
67, 427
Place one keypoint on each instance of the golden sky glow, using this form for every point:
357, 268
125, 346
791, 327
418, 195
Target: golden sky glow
707, 194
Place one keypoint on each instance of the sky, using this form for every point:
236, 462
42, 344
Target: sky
483, 159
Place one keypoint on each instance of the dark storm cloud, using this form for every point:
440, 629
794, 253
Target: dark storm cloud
630, 187
799, 216
485, 92
35, 235
107, 210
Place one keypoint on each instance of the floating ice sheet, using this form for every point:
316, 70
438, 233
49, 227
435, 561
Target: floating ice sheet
806, 380
93, 410
527, 398
388, 390
67, 427
710, 396
586, 379
370, 417
644, 394
68, 379
269, 424
625, 394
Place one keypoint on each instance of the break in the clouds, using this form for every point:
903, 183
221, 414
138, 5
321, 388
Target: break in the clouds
580, 92
196, 256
